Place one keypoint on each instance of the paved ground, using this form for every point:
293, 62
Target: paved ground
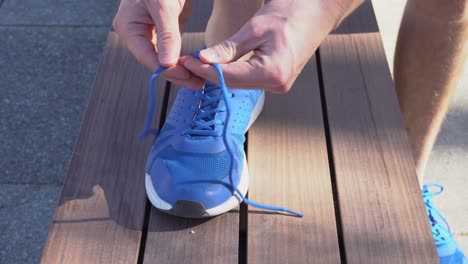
50, 55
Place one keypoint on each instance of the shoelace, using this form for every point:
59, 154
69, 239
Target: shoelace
202, 125
204, 122
441, 234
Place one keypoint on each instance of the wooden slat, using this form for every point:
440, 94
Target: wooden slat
178, 240
174, 239
288, 166
381, 209
101, 210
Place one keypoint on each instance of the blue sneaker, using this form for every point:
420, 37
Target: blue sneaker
447, 248
189, 170
197, 165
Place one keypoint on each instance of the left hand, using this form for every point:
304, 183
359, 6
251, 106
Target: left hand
138, 21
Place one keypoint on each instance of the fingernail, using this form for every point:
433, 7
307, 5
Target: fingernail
168, 64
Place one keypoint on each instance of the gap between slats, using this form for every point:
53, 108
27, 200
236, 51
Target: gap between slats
144, 231
243, 217
243, 214
331, 162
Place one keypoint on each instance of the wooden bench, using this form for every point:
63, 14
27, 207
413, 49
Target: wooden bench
334, 148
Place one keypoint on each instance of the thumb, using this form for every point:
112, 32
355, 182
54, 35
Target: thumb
165, 14
233, 48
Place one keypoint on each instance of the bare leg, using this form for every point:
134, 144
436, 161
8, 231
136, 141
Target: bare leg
228, 17
429, 57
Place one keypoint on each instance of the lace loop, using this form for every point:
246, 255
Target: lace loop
152, 101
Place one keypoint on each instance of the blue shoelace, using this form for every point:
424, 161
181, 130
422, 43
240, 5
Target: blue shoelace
441, 233
202, 123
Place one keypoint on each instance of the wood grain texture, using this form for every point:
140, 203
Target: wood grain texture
100, 214
179, 240
288, 166
174, 239
382, 212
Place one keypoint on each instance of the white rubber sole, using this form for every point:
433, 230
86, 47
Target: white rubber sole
232, 202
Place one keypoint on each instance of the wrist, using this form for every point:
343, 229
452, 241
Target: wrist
338, 10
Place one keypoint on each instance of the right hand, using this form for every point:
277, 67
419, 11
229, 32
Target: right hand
283, 36
137, 21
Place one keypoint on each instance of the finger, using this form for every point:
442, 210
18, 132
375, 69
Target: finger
179, 75
238, 74
138, 40
165, 14
192, 83
144, 51
249, 37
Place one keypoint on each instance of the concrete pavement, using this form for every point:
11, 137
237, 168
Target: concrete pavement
49, 53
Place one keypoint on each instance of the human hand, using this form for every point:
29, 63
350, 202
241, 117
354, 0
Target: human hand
139, 22
283, 35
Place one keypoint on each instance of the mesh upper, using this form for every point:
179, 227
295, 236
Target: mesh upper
185, 166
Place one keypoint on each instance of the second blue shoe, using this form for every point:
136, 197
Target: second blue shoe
447, 248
